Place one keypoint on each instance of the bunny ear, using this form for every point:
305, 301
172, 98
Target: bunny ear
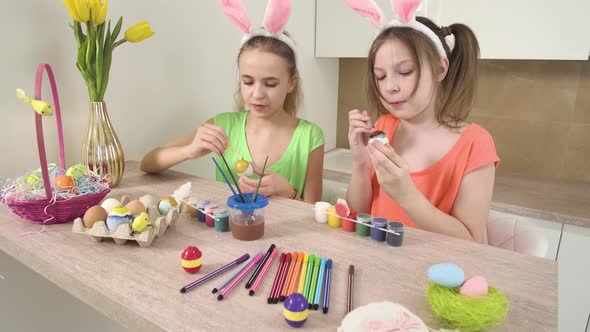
276, 15
406, 9
367, 8
237, 13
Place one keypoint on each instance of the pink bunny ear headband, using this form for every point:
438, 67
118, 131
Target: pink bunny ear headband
406, 11
275, 18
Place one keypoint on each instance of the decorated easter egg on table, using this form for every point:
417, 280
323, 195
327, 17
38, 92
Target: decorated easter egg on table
149, 200
192, 259
94, 214
342, 208
296, 310
135, 207
77, 171
140, 222
446, 274
110, 203
166, 204
474, 287
64, 182
118, 216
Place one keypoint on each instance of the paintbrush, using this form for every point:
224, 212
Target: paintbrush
233, 179
260, 180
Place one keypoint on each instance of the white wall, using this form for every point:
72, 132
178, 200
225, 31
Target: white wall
159, 89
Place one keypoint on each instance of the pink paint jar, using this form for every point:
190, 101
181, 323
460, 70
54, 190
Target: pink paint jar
347, 225
209, 219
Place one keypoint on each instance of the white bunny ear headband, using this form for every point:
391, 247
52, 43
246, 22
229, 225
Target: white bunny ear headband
275, 18
406, 11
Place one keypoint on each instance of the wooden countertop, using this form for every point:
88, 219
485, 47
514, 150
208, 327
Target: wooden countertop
565, 202
139, 287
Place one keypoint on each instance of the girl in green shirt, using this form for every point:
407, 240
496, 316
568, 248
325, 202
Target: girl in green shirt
270, 88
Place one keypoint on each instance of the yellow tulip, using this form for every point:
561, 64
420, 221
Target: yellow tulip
99, 11
71, 6
79, 9
138, 32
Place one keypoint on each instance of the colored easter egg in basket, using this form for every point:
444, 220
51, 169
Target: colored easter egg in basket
77, 171
192, 259
474, 287
342, 208
135, 207
140, 223
446, 274
109, 203
64, 182
296, 310
149, 200
118, 216
166, 204
94, 214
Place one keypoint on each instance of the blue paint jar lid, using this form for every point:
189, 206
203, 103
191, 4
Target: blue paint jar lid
379, 222
235, 202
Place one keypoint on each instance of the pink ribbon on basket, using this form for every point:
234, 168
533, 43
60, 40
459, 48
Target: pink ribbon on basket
403, 324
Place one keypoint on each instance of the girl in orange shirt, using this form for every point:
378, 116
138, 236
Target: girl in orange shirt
437, 172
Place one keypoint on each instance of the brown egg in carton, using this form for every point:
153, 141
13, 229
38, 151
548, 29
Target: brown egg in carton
157, 227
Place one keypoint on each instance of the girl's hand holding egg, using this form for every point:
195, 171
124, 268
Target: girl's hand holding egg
271, 184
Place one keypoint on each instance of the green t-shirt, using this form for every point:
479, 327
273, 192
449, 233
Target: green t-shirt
292, 164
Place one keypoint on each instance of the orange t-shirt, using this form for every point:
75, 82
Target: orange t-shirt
440, 182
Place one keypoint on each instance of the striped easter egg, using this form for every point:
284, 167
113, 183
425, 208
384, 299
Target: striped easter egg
191, 259
296, 310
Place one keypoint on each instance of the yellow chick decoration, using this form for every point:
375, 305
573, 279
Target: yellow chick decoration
41, 107
140, 222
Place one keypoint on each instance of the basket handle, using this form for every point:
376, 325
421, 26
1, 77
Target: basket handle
39, 125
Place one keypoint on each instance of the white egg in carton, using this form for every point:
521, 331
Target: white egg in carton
157, 227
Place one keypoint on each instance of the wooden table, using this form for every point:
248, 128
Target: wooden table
139, 287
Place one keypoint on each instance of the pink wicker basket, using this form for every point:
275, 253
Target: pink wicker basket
45, 210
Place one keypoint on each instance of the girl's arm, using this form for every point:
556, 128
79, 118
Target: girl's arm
469, 216
359, 193
312, 188
205, 139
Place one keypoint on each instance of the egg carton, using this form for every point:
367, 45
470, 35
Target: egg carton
123, 233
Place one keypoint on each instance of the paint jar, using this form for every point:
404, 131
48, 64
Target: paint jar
321, 212
376, 233
209, 218
349, 225
247, 219
392, 238
221, 220
333, 219
200, 207
188, 207
363, 224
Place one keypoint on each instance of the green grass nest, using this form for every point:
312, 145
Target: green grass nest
467, 313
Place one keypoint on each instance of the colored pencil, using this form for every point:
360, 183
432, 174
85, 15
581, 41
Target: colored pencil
259, 267
233, 274
327, 286
239, 277
314, 279
294, 258
277, 294
308, 275
214, 273
320, 285
349, 288
277, 277
303, 274
262, 273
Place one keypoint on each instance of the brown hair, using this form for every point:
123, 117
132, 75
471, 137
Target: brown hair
456, 91
276, 47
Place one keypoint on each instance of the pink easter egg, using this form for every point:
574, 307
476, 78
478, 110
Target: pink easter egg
474, 287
